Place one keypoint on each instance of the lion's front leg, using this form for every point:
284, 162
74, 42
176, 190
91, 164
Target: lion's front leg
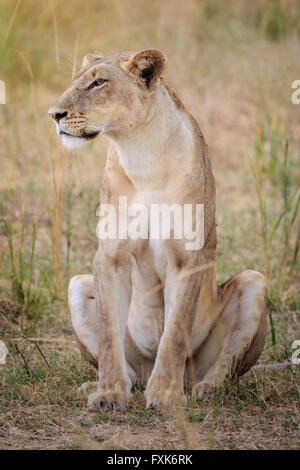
112, 295
165, 385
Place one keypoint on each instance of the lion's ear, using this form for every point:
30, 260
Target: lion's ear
148, 66
91, 57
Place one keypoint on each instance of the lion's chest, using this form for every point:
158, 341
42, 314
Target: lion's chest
146, 312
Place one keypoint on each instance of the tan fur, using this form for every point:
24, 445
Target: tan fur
153, 309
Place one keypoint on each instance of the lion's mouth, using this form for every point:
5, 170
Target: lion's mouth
85, 135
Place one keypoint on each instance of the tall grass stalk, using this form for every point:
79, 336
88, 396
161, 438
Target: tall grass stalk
257, 173
21, 271
263, 173
57, 174
10, 25
55, 34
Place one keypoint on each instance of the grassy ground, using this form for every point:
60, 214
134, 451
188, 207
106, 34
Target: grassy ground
233, 67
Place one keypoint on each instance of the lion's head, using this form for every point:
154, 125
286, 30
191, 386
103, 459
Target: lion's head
109, 95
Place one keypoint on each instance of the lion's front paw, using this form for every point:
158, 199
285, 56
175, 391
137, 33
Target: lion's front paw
168, 398
107, 400
87, 388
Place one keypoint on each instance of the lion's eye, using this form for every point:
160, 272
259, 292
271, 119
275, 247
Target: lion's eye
97, 83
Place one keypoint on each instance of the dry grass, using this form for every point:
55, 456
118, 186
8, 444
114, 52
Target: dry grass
42, 409
233, 67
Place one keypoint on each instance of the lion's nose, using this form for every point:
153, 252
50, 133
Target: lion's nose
58, 116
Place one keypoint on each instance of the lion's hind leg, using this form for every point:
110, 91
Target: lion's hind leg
83, 315
238, 337
85, 324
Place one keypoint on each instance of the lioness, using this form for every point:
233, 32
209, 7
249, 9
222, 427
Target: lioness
153, 310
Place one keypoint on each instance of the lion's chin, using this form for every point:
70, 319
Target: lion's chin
73, 143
